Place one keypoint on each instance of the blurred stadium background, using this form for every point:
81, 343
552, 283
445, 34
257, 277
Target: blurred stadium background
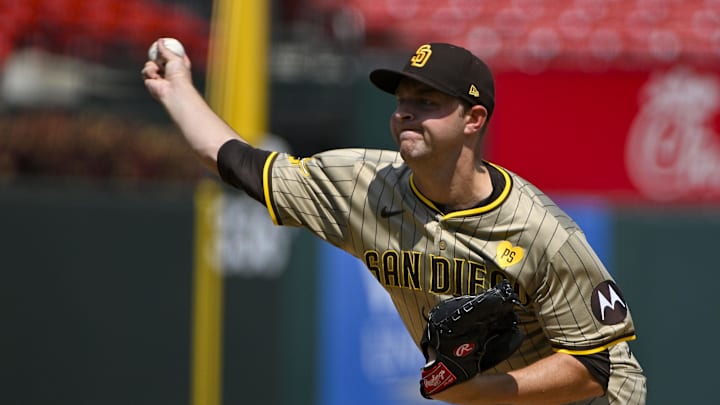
131, 276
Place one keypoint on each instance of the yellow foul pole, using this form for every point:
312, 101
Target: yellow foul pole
237, 90
238, 74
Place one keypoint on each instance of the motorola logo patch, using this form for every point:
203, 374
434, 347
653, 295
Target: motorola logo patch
608, 304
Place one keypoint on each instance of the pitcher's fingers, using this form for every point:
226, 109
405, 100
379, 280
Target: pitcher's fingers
151, 70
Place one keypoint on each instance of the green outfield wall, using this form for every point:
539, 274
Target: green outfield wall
668, 271
96, 301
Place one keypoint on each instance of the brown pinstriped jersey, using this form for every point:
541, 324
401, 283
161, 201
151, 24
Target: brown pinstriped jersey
365, 202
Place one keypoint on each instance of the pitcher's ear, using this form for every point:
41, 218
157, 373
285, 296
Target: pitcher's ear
477, 117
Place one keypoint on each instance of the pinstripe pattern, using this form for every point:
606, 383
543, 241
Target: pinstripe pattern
421, 255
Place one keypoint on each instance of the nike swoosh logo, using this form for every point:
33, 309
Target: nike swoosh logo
385, 213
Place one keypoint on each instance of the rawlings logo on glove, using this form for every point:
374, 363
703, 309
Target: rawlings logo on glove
436, 378
464, 349
469, 334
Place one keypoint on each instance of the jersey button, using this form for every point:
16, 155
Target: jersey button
443, 245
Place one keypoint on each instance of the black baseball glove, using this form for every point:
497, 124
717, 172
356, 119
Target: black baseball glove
469, 335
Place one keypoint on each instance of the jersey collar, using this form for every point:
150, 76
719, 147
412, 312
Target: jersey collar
489, 206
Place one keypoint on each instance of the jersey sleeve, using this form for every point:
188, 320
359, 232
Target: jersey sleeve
580, 306
241, 165
321, 192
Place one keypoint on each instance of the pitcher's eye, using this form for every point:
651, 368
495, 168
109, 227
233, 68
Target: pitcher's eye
423, 102
426, 102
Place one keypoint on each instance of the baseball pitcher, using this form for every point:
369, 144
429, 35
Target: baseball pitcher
498, 287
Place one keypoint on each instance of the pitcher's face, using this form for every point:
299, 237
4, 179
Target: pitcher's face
426, 123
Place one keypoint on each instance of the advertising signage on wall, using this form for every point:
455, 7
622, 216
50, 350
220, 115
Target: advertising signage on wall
642, 135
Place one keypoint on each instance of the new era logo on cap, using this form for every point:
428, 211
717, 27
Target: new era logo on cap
447, 68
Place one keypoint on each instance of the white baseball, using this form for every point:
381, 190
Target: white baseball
170, 43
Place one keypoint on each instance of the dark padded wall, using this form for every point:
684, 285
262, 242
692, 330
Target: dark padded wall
668, 272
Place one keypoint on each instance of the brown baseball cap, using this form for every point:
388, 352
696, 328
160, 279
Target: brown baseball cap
445, 67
